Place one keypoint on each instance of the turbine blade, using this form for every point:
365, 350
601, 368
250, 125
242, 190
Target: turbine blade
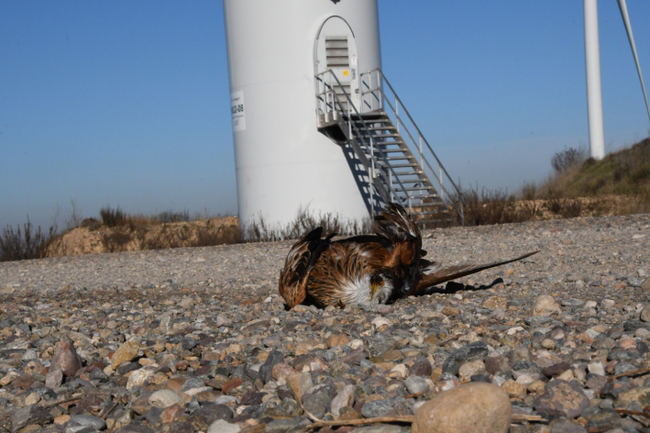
622, 6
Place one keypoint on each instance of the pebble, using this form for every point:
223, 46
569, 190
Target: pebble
562, 398
645, 314
125, 353
221, 426
344, 398
545, 305
475, 407
65, 358
206, 328
164, 398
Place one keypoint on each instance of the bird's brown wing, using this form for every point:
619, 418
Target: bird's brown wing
300, 260
441, 275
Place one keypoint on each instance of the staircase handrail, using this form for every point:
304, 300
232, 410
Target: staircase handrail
369, 166
383, 98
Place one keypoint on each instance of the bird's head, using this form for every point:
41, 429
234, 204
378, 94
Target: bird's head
381, 288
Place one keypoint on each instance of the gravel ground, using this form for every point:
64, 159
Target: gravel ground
197, 339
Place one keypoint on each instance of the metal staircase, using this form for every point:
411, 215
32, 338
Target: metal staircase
389, 156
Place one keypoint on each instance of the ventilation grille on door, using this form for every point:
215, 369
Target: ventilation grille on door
336, 52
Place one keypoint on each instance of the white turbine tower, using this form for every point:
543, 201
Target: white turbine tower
592, 58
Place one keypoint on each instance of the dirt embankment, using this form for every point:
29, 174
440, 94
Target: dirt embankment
93, 238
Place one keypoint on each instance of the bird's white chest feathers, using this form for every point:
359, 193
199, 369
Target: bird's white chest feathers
356, 291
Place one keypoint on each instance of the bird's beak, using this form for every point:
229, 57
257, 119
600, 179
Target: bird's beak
373, 288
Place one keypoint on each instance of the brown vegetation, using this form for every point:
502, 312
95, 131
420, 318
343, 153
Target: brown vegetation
618, 184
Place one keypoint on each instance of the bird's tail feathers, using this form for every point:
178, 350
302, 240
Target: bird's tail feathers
433, 277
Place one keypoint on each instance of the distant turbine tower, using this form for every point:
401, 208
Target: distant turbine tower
592, 58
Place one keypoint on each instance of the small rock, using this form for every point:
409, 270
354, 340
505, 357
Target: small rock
514, 389
562, 398
54, 378
471, 352
139, 377
299, 383
381, 323
473, 407
471, 368
345, 398
65, 358
164, 398
597, 368
265, 373
399, 371
26, 415
335, 340
545, 305
89, 420
125, 353
221, 426
391, 406
317, 400
645, 314
421, 367
416, 385
566, 426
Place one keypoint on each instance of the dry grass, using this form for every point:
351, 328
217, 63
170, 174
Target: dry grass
305, 221
28, 243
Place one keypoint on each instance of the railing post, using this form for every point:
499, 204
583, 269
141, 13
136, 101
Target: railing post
442, 190
396, 114
372, 176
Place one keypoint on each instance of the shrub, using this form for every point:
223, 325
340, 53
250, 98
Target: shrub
112, 217
568, 158
28, 243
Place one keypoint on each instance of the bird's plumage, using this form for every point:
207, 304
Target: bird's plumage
366, 269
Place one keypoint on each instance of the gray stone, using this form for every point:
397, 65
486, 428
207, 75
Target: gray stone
285, 425
345, 398
561, 399
29, 415
416, 385
645, 314
471, 352
135, 428
391, 406
54, 378
89, 420
265, 372
566, 426
317, 400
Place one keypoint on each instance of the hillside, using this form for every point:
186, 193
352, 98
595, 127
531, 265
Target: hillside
626, 172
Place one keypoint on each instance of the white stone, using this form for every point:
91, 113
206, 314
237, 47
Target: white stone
416, 385
355, 344
221, 426
608, 303
545, 305
514, 330
380, 322
597, 368
139, 377
164, 398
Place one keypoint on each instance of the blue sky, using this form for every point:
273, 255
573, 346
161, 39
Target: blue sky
126, 103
